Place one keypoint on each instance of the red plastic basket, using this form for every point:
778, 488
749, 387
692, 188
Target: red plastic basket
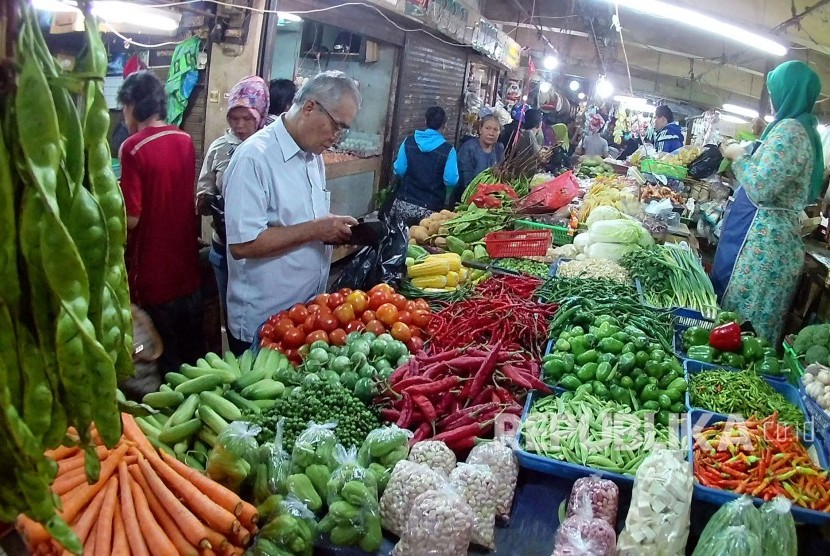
520, 243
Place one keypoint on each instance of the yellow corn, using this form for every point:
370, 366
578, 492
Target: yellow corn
430, 267
452, 279
430, 282
453, 259
462, 274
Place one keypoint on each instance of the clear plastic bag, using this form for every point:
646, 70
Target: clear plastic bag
408, 481
229, 462
778, 532
315, 445
476, 484
734, 540
582, 534
385, 446
501, 460
440, 523
273, 467
347, 470
434, 454
661, 501
292, 529
603, 496
737, 514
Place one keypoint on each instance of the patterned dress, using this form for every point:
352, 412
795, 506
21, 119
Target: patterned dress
776, 180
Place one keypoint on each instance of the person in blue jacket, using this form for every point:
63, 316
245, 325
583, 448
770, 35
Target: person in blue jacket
669, 134
427, 170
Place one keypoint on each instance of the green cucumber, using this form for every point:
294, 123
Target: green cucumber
225, 408
246, 361
267, 389
185, 412
212, 419
148, 427
250, 378
208, 437
199, 384
226, 375
261, 358
174, 379
242, 403
160, 400
161, 446
180, 432
265, 404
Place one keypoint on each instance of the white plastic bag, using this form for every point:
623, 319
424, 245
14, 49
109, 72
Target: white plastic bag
583, 534
476, 484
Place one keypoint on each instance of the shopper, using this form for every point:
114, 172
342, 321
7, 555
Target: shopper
279, 228
760, 254
157, 176
560, 157
593, 144
247, 112
529, 144
282, 93
427, 168
669, 134
478, 154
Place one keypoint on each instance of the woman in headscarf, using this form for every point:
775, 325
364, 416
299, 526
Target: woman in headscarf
247, 113
560, 160
760, 254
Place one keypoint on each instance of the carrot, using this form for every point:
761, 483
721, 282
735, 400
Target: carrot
216, 492
105, 517
89, 545
208, 552
33, 533
89, 517
72, 506
128, 510
195, 531
120, 547
163, 516
62, 452
132, 432
153, 533
66, 482
208, 511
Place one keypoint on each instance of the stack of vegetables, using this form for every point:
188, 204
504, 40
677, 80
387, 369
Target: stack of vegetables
611, 235
495, 179
437, 272
474, 223
142, 503
726, 345
65, 318
607, 191
593, 167
431, 230
812, 344
816, 382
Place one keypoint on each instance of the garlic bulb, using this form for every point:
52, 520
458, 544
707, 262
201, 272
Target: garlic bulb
824, 402
815, 390
823, 376
808, 379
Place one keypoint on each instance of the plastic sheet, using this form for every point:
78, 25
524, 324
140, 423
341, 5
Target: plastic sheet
315, 445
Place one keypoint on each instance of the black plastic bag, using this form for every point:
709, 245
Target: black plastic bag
707, 163
385, 263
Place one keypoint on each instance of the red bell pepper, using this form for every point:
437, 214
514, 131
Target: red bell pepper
726, 337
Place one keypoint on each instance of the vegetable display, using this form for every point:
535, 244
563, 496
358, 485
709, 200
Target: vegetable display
601, 269
593, 167
65, 318
735, 529
607, 192
760, 458
426, 231
816, 381
437, 272
812, 344
525, 266
143, 503
560, 428
474, 223
740, 393
726, 345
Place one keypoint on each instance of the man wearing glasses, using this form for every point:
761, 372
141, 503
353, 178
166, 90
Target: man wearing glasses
278, 225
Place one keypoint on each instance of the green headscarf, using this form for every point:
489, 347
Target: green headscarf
794, 89
561, 131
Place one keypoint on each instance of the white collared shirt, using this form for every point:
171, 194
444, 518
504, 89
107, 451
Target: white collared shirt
272, 182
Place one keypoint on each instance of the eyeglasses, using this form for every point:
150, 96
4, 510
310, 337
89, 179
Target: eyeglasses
339, 128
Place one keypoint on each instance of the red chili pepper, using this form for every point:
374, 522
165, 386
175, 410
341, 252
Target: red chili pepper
407, 383
484, 373
485, 396
391, 415
440, 356
421, 433
726, 337
399, 373
462, 432
425, 405
406, 413
442, 385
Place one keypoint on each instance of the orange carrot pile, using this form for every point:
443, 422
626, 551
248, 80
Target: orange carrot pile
144, 503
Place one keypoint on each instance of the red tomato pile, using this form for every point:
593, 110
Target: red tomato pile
330, 317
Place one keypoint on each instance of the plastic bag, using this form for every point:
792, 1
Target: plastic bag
583, 534
603, 496
476, 484
383, 448
385, 263
408, 480
707, 163
273, 467
348, 470
440, 523
434, 454
315, 445
291, 530
661, 501
739, 513
778, 533
734, 541
505, 466
229, 462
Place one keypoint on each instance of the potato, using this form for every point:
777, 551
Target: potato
440, 242
433, 228
419, 233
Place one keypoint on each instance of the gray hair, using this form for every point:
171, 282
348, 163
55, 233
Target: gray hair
489, 118
329, 88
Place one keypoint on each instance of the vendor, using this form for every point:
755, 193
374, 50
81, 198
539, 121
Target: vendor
277, 219
669, 134
760, 254
480, 153
593, 144
560, 158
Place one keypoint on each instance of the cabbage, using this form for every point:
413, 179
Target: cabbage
581, 242
618, 231
611, 251
603, 212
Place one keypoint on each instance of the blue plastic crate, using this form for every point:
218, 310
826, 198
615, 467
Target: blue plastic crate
567, 470
716, 496
555, 266
683, 320
821, 419
778, 384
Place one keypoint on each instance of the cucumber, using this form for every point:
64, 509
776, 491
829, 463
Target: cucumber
267, 389
191, 462
208, 437
181, 447
199, 384
203, 364
242, 403
275, 362
180, 432
161, 446
218, 363
174, 379
147, 427
246, 380
165, 388
265, 404
225, 408
185, 412
226, 375
212, 419
159, 419
200, 448
246, 361
261, 358
160, 400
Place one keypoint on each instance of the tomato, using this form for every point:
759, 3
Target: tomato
358, 300
313, 309
321, 299
375, 327
264, 342
335, 301
282, 315
317, 336
414, 345
294, 338
376, 299
421, 318
272, 319
387, 314
367, 316
310, 324
338, 337
401, 332
266, 330
385, 288
293, 356
411, 306
416, 332
327, 322
404, 317
298, 313
344, 314
282, 326
355, 326
422, 304
398, 301
345, 292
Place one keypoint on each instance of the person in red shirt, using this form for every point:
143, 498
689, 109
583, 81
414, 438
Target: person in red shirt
158, 173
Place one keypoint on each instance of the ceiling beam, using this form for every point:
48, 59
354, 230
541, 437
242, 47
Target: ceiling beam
798, 17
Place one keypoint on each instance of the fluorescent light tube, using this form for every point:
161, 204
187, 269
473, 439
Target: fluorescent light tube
740, 110
733, 119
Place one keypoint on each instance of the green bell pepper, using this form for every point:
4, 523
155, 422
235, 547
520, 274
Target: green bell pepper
650, 392
578, 345
642, 358
705, 354
751, 349
627, 362
611, 345
769, 366
587, 372
726, 317
554, 368
695, 336
562, 345
733, 360
569, 382
589, 356
603, 372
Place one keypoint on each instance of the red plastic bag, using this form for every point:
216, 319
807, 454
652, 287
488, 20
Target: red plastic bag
551, 195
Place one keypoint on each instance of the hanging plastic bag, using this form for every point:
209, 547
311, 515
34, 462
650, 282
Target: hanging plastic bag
582, 534
737, 514
440, 523
603, 496
292, 529
315, 445
385, 263
229, 462
778, 528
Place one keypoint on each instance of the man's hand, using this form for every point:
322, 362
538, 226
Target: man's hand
334, 229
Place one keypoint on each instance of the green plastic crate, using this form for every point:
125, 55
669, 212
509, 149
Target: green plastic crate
560, 233
791, 362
